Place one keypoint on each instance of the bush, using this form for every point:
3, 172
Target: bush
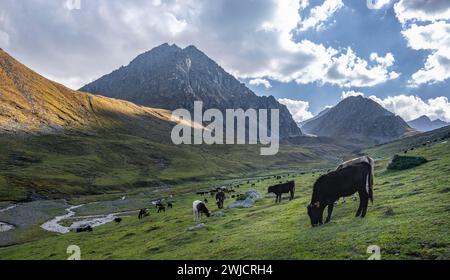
405, 162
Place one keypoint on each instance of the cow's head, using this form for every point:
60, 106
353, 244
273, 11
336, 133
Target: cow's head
314, 213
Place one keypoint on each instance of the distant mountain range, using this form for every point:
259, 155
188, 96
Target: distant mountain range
359, 120
170, 77
425, 124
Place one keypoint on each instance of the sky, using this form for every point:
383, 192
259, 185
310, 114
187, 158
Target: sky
309, 54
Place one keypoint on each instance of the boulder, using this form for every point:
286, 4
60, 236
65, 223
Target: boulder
251, 197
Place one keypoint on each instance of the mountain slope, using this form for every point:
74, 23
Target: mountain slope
359, 120
31, 104
170, 77
320, 114
424, 124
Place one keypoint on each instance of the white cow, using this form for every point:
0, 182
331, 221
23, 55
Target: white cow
199, 207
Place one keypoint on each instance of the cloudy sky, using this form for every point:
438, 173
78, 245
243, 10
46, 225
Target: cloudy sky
309, 54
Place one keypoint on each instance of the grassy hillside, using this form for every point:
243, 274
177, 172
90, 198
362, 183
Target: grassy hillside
55, 166
408, 220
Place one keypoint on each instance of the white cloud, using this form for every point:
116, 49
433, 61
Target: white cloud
422, 10
436, 69
346, 94
411, 107
433, 34
348, 70
385, 61
377, 4
434, 37
319, 15
248, 40
263, 82
299, 109
72, 4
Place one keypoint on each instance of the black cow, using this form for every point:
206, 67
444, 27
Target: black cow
161, 208
142, 213
341, 183
220, 198
279, 189
84, 229
118, 220
170, 205
205, 200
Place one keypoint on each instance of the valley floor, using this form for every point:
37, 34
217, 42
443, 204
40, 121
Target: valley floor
408, 220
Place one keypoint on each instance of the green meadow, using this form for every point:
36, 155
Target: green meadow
409, 219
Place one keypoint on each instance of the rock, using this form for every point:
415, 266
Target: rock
253, 194
196, 227
247, 203
251, 197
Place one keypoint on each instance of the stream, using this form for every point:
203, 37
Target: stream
54, 225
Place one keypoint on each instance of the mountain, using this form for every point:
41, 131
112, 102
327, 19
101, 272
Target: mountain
359, 120
424, 124
321, 113
170, 77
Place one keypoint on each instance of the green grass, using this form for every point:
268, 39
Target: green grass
408, 220
61, 166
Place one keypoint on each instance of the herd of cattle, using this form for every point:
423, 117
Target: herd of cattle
351, 177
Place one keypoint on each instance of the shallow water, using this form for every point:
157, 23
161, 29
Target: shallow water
8, 208
4, 227
54, 226
80, 222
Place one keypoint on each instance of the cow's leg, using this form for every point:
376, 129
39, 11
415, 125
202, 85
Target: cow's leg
363, 200
360, 204
195, 215
330, 210
365, 203
321, 215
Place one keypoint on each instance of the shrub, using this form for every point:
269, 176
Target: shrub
405, 162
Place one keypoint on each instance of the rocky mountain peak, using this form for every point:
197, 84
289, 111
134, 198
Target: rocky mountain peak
170, 77
360, 120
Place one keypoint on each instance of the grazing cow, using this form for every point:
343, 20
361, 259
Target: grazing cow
84, 229
170, 205
343, 182
118, 220
161, 208
279, 189
220, 198
142, 213
199, 208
